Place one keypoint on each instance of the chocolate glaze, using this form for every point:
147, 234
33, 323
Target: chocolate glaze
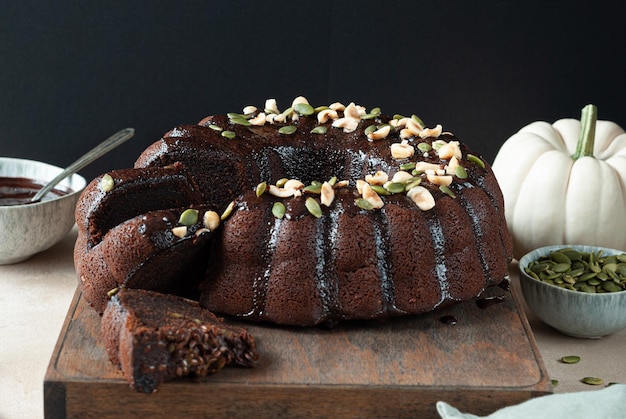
20, 190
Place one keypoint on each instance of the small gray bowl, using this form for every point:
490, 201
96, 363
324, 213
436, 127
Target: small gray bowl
574, 313
32, 228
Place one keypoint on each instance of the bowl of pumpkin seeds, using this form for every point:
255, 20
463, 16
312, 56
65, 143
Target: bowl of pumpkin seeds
579, 290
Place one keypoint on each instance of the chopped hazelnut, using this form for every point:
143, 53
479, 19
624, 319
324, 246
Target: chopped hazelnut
438, 179
258, 120
180, 231
402, 150
449, 150
431, 132
271, 106
249, 110
379, 178
211, 220
422, 197
401, 176
348, 124
380, 133
326, 114
372, 197
327, 194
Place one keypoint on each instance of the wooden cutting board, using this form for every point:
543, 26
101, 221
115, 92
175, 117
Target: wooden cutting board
399, 368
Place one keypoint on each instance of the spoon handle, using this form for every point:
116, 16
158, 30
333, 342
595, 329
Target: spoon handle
95, 153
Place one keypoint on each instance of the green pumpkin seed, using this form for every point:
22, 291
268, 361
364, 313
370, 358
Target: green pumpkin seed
364, 204
261, 188
370, 129
560, 257
287, 129
320, 129
380, 190
278, 210
570, 359
215, 127
610, 286
304, 109
411, 184
228, 134
476, 160
424, 147
313, 206
588, 272
238, 119
189, 217
315, 188
281, 182
447, 191
227, 211
369, 116
407, 166
460, 172
395, 187
592, 381
418, 120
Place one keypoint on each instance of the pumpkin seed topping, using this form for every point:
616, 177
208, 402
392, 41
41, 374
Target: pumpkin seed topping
364, 204
460, 172
215, 127
227, 211
304, 109
238, 119
188, 217
261, 188
287, 129
447, 191
476, 160
228, 134
320, 129
278, 210
313, 206
107, 183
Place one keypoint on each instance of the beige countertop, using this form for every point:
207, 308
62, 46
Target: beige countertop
36, 295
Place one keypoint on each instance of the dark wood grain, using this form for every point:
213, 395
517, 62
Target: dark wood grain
399, 368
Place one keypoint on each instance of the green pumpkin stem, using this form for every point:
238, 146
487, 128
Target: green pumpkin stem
587, 136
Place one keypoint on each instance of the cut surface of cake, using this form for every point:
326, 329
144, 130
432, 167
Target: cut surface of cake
325, 214
154, 337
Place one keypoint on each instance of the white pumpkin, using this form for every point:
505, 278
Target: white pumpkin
565, 183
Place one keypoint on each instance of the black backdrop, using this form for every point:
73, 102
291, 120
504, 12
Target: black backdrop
73, 72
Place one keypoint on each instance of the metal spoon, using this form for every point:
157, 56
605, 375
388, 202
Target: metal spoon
95, 153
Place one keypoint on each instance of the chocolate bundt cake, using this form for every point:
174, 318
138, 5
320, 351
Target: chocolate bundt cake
155, 337
325, 214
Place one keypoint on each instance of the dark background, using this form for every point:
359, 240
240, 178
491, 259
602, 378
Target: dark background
74, 72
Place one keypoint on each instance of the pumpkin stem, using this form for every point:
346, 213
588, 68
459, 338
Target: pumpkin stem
587, 136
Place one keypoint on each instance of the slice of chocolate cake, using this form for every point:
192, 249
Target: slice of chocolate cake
156, 337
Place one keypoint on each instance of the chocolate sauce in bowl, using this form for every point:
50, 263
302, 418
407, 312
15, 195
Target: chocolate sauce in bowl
19, 191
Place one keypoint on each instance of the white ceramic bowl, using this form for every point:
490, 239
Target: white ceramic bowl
573, 313
31, 228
